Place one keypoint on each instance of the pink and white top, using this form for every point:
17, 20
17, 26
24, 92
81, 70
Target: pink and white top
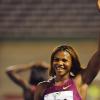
66, 91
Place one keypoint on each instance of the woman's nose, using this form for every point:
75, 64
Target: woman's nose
60, 62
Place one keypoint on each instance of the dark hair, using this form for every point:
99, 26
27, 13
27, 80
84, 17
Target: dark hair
76, 67
37, 73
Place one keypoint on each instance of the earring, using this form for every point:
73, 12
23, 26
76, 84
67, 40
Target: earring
71, 74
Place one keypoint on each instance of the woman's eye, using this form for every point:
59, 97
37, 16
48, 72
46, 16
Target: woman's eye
56, 59
64, 60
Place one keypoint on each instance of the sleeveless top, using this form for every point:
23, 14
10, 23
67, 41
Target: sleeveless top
66, 91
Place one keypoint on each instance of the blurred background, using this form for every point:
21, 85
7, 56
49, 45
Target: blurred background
31, 29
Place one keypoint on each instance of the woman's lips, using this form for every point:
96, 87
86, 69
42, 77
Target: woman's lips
60, 67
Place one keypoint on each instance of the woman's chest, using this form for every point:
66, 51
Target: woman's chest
66, 91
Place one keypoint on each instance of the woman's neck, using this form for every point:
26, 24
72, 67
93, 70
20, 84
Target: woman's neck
61, 79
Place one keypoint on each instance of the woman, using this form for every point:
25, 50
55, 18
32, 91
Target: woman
39, 72
70, 81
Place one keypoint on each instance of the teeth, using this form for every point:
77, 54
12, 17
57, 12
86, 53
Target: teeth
60, 67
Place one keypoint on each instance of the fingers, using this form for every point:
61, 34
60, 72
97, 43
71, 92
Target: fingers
98, 3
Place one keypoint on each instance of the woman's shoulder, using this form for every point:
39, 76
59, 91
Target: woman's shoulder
41, 88
45, 84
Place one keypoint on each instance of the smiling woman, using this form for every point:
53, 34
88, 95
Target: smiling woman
70, 55
63, 85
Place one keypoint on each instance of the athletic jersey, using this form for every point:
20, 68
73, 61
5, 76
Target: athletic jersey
66, 91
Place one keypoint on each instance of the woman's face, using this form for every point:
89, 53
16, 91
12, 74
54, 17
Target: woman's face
62, 63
